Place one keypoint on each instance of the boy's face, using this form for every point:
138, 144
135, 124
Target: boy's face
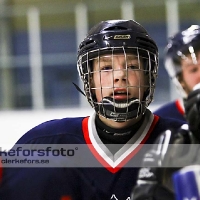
118, 76
190, 71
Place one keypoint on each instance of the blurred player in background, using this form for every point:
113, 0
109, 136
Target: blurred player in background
182, 62
118, 64
172, 166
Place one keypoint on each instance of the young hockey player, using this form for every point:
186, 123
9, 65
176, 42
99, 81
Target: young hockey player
118, 64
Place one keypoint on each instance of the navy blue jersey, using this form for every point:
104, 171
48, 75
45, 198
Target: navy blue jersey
1, 172
45, 184
113, 179
171, 110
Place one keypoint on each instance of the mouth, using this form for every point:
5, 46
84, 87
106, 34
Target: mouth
121, 94
119, 104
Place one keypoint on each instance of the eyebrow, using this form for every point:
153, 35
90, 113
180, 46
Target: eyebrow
109, 58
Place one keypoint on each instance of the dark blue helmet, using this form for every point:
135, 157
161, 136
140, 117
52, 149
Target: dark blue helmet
114, 37
179, 46
117, 33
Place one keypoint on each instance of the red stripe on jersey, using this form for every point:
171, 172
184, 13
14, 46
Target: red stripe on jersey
85, 128
136, 150
89, 143
65, 198
133, 153
179, 106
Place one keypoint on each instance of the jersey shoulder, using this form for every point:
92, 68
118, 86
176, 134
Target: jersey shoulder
54, 131
165, 123
170, 110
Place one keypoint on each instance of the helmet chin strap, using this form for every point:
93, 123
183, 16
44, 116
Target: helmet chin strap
120, 110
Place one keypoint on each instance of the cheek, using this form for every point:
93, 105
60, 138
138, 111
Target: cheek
141, 82
96, 84
102, 80
98, 95
191, 80
100, 86
137, 79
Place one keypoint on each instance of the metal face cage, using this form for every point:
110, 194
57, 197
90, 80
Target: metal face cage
119, 82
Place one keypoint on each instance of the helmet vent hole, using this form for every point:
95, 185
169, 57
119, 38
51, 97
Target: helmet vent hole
144, 42
87, 44
115, 28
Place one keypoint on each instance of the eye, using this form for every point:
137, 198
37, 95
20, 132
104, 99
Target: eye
133, 67
193, 69
106, 68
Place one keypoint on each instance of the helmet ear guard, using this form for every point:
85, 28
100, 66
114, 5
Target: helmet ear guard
111, 38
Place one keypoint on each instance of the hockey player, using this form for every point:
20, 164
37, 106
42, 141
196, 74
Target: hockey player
182, 62
172, 165
118, 64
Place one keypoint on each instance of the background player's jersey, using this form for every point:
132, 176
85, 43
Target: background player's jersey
173, 109
113, 179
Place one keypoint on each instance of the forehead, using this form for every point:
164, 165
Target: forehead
110, 57
191, 58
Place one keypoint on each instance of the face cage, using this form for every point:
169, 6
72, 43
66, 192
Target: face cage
175, 69
149, 69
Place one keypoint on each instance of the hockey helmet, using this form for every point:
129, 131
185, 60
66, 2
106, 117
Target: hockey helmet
111, 38
179, 46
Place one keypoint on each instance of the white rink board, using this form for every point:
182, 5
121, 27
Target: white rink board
15, 123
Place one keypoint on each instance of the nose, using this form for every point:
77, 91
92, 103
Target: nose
120, 74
